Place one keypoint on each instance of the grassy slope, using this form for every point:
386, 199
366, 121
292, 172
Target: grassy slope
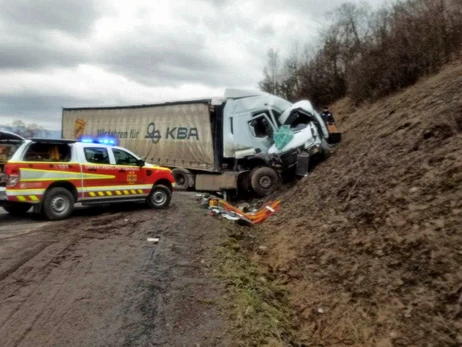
373, 237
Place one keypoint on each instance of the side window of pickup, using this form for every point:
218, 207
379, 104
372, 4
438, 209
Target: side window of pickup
48, 152
124, 158
96, 155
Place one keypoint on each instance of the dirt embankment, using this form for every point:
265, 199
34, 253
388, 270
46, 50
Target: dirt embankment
370, 244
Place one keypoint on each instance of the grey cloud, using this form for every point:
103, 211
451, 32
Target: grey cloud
156, 59
45, 109
27, 29
165, 58
74, 17
28, 54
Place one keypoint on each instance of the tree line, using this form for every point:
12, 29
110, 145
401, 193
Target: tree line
26, 130
366, 54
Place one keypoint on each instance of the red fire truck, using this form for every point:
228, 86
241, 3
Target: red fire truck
50, 176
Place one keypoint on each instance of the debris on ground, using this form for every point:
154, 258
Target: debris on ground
244, 213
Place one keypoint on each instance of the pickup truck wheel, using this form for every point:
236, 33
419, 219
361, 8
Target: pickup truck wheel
160, 197
181, 179
58, 204
264, 180
17, 209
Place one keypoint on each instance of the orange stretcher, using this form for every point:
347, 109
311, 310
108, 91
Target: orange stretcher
256, 217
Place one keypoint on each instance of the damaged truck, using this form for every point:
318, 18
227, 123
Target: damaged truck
242, 142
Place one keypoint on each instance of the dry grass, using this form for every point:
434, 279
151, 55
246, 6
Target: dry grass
372, 236
261, 306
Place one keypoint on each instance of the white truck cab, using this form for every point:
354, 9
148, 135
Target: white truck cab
252, 117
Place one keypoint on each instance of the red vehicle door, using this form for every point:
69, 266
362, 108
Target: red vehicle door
99, 176
131, 178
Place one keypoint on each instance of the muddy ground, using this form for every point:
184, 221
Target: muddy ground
94, 280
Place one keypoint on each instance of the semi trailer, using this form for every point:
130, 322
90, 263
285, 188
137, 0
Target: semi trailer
222, 144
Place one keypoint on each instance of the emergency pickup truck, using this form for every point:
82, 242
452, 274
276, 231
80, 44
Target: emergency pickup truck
50, 176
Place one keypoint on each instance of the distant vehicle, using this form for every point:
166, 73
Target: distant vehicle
218, 144
50, 176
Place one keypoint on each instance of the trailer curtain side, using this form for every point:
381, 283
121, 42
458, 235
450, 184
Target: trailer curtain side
172, 135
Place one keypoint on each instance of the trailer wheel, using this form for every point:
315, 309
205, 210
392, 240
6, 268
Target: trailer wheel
264, 180
17, 209
58, 204
160, 197
181, 177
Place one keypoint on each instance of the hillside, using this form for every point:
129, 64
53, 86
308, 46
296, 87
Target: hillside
370, 244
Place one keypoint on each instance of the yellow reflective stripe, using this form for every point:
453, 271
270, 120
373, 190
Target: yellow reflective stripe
33, 198
132, 186
21, 198
44, 162
119, 193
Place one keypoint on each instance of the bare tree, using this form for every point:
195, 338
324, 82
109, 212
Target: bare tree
28, 130
272, 71
369, 54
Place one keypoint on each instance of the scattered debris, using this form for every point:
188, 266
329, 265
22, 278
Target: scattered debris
219, 207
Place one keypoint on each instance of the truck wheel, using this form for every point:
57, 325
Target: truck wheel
160, 197
264, 180
17, 209
181, 179
58, 204
325, 148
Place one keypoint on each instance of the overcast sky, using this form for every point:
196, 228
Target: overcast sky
66, 53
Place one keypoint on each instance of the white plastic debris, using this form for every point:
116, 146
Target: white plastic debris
320, 310
153, 239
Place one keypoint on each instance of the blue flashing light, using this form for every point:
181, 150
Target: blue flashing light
104, 141
107, 141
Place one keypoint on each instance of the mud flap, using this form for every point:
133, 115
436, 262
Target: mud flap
37, 208
303, 163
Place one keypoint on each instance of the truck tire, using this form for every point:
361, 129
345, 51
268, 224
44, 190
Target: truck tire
160, 197
181, 179
264, 180
58, 204
17, 209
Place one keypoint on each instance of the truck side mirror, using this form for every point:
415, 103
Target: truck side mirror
140, 162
